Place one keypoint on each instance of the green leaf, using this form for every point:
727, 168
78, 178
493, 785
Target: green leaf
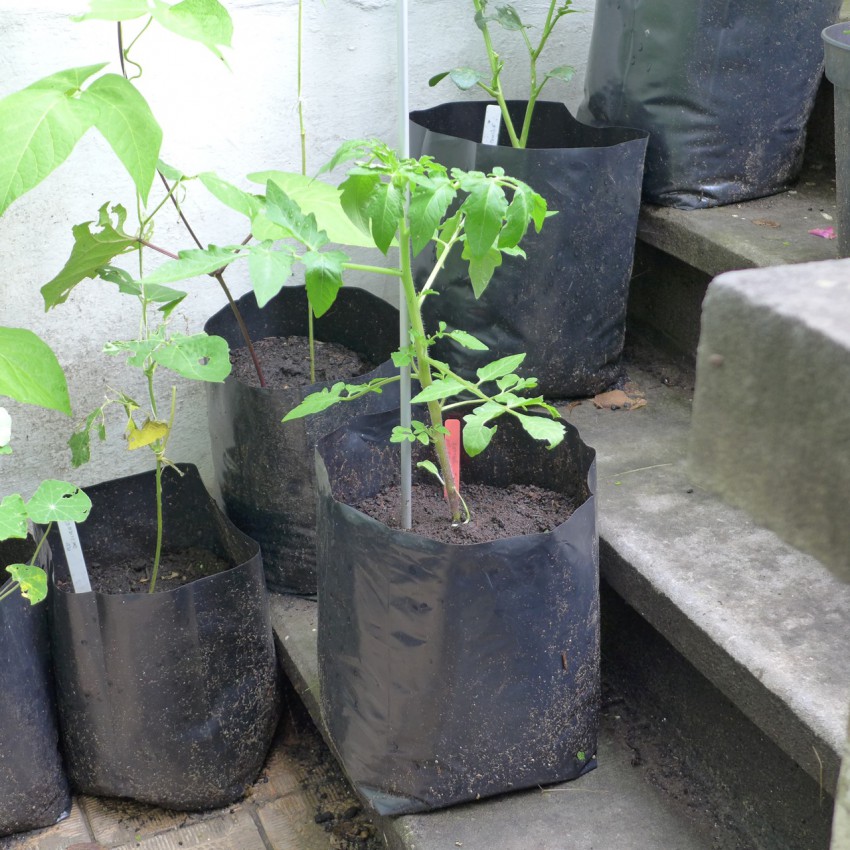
465, 339
199, 357
91, 251
192, 263
562, 72
439, 389
114, 10
543, 428
169, 172
58, 501
517, 218
477, 434
316, 402
507, 18
347, 151
231, 196
481, 269
438, 78
39, 127
205, 21
30, 372
427, 209
13, 517
269, 270
139, 350
498, 368
485, 209
385, 209
32, 581
465, 78
316, 197
430, 466
356, 192
152, 431
323, 278
125, 120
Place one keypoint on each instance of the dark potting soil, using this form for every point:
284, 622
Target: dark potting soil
176, 567
285, 362
496, 512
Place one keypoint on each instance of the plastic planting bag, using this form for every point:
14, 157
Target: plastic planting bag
724, 87
169, 698
565, 305
453, 672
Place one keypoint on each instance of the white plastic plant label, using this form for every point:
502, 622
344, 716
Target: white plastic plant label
492, 125
74, 556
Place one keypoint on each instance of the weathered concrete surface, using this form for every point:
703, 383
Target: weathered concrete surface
771, 428
611, 807
841, 822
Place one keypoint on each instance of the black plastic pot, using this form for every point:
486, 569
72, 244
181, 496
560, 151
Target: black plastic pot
724, 87
449, 672
168, 698
565, 306
264, 468
34, 791
836, 41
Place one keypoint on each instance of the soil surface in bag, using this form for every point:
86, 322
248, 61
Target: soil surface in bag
497, 512
285, 362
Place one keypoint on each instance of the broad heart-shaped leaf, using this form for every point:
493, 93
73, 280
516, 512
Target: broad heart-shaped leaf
114, 10
438, 390
149, 433
426, 211
316, 197
58, 501
199, 357
192, 263
385, 209
91, 251
269, 270
30, 372
39, 127
485, 209
13, 517
507, 18
206, 21
125, 120
562, 72
32, 581
543, 428
323, 278
244, 202
498, 368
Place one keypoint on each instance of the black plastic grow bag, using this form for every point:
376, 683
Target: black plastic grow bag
725, 88
452, 672
264, 468
564, 306
34, 791
168, 698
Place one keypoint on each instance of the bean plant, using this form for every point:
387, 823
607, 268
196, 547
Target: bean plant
507, 17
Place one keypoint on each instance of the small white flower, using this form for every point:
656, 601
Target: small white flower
5, 427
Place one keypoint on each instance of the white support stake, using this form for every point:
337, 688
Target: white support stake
74, 556
492, 125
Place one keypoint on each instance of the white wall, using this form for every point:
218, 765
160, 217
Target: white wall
231, 121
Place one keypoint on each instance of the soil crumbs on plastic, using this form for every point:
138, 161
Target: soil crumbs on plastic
176, 567
285, 362
497, 512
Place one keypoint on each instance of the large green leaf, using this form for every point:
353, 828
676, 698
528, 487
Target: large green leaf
58, 501
244, 202
32, 581
481, 269
485, 208
13, 517
293, 222
356, 190
39, 127
199, 357
543, 428
427, 209
385, 210
498, 368
206, 21
438, 390
269, 270
91, 251
114, 10
191, 263
319, 198
125, 120
477, 433
323, 278
30, 372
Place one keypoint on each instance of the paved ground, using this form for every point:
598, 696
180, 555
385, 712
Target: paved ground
299, 785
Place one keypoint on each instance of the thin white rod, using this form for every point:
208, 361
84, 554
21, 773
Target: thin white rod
406, 506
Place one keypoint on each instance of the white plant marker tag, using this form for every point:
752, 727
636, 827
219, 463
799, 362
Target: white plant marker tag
492, 124
74, 556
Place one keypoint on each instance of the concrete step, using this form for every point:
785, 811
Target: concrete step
766, 648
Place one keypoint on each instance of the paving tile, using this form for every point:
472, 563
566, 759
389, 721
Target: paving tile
72, 830
224, 832
117, 822
289, 826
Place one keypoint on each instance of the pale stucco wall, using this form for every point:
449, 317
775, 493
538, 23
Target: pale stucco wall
232, 121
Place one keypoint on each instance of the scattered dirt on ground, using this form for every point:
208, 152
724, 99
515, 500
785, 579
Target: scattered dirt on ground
285, 362
176, 568
496, 512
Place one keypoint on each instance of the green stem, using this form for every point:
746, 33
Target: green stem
158, 551
312, 341
359, 267
423, 372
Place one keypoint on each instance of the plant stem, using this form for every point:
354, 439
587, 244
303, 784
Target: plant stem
158, 551
423, 372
